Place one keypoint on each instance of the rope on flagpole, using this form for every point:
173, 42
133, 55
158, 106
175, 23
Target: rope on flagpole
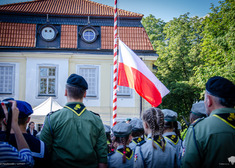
115, 66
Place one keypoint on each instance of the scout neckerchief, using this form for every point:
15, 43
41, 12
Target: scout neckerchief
78, 109
137, 140
228, 118
157, 139
129, 152
173, 138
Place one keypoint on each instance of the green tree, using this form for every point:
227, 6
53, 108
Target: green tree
218, 45
178, 55
154, 28
191, 50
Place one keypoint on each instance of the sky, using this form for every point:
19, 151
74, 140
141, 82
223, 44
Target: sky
163, 9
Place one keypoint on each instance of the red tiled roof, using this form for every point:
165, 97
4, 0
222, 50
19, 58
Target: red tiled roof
23, 35
135, 38
68, 36
17, 34
66, 7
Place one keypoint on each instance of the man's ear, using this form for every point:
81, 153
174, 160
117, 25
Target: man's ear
66, 92
209, 100
84, 95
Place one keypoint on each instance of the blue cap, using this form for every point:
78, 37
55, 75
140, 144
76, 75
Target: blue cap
24, 108
199, 109
137, 124
122, 130
77, 81
169, 115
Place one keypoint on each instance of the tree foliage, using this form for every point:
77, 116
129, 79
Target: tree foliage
218, 44
191, 50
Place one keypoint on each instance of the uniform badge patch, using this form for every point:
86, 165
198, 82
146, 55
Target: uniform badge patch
135, 157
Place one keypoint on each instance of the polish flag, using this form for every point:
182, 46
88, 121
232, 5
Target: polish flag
133, 73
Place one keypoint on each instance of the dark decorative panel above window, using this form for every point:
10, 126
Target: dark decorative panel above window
48, 36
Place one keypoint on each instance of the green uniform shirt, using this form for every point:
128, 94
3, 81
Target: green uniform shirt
75, 137
215, 140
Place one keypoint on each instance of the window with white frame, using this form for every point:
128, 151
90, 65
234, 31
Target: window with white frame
47, 81
90, 74
7, 76
123, 91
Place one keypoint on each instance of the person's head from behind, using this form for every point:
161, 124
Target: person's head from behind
76, 87
122, 136
137, 127
220, 93
107, 132
198, 110
25, 110
153, 122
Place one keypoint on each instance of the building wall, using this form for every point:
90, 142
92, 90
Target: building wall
26, 81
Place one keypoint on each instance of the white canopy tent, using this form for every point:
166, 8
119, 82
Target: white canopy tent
46, 107
42, 110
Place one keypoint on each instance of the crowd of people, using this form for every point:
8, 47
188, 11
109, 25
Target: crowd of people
76, 137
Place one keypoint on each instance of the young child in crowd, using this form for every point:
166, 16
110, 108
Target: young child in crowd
122, 157
155, 152
171, 131
137, 132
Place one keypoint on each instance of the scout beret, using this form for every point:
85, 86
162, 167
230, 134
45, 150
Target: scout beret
169, 115
220, 87
25, 108
137, 124
107, 128
199, 109
77, 81
122, 130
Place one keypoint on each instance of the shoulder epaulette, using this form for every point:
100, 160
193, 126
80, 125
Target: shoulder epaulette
141, 143
95, 113
52, 112
197, 121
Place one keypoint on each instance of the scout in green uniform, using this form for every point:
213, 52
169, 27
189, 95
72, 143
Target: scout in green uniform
75, 137
123, 156
137, 132
198, 111
210, 142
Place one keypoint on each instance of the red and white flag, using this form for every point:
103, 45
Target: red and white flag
133, 73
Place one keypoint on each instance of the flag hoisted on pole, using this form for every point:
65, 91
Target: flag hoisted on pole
133, 73
115, 66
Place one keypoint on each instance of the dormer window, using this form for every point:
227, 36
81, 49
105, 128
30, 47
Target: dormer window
48, 33
89, 34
